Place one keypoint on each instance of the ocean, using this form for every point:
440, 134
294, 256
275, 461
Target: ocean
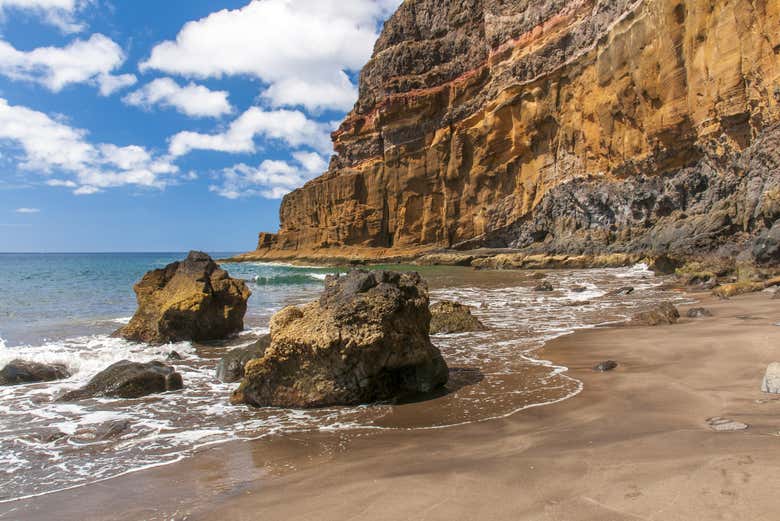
62, 308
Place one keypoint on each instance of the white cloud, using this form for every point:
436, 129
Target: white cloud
299, 48
59, 13
61, 182
272, 179
291, 127
48, 146
27, 210
86, 190
82, 61
192, 100
108, 83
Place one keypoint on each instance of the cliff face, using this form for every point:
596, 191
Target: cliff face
558, 125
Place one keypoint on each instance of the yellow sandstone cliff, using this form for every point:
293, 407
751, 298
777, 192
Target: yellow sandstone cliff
557, 126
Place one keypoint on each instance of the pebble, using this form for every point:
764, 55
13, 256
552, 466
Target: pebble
725, 425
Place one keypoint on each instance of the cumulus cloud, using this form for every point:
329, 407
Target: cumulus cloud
27, 210
192, 100
59, 13
291, 127
301, 49
272, 179
82, 61
48, 147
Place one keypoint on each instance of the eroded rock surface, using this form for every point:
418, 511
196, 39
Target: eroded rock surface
563, 126
365, 339
189, 300
127, 379
452, 317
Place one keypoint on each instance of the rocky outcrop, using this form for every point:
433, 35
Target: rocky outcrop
127, 379
18, 372
365, 339
230, 367
562, 126
190, 300
452, 317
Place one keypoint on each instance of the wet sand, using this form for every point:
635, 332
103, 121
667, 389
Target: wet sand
633, 445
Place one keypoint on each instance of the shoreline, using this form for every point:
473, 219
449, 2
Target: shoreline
641, 427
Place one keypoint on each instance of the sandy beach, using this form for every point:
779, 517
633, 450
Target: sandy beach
634, 444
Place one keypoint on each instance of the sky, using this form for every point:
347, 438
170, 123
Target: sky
148, 125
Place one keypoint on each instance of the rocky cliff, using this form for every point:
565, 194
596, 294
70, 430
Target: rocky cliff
558, 126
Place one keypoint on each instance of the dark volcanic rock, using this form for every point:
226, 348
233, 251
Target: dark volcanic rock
366, 339
190, 300
452, 317
231, 367
626, 290
698, 313
661, 314
127, 379
23, 372
603, 367
767, 247
173, 355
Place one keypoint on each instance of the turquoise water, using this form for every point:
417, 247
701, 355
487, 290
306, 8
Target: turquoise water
62, 308
56, 296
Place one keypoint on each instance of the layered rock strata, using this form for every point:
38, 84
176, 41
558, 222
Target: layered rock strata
560, 126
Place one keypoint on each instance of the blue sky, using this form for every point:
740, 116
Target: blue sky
140, 125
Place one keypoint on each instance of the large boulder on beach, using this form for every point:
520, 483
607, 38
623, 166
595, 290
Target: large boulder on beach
366, 339
771, 383
18, 372
664, 313
452, 317
189, 300
127, 379
231, 366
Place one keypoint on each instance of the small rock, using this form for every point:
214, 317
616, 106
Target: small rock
544, 286
578, 289
484, 305
231, 367
664, 265
725, 425
776, 294
662, 314
771, 383
603, 367
127, 379
173, 355
698, 313
452, 317
22, 372
625, 290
